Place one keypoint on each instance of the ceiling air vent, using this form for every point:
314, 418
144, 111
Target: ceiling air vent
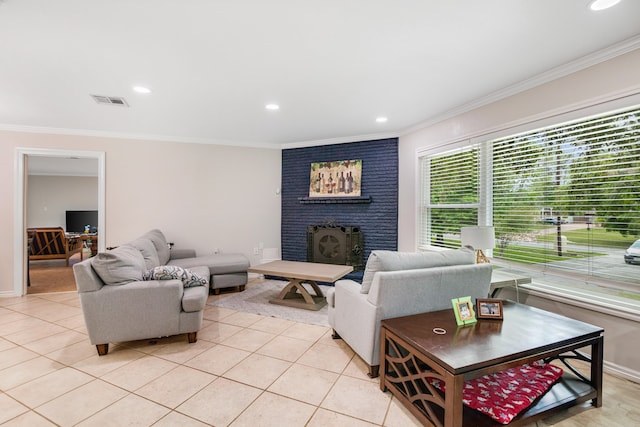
110, 100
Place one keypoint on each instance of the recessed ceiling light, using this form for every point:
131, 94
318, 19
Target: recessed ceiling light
381, 119
272, 107
602, 4
141, 89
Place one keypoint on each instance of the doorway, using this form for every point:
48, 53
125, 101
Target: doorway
63, 160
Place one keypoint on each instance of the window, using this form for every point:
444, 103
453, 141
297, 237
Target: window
564, 200
453, 197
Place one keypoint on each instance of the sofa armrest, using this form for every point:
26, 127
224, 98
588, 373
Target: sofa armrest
345, 293
158, 294
348, 285
132, 311
330, 295
195, 298
182, 253
355, 319
352, 286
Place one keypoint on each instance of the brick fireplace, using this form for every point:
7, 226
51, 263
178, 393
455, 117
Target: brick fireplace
375, 214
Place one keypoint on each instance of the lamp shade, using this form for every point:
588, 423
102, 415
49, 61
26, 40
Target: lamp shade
478, 237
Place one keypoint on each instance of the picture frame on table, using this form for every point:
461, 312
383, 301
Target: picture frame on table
489, 309
463, 310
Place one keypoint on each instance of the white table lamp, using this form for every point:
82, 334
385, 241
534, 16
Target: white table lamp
478, 238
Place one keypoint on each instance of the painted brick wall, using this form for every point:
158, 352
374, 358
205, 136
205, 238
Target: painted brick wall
378, 220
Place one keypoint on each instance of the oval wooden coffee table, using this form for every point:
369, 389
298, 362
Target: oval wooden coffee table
294, 294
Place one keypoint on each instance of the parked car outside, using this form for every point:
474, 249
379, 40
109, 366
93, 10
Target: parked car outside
632, 255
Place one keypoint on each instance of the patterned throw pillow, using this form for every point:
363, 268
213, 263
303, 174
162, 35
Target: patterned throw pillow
167, 272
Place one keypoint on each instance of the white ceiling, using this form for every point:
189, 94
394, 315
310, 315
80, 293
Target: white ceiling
333, 66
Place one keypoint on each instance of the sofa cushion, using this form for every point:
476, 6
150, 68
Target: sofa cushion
228, 280
217, 263
168, 272
395, 261
119, 266
160, 243
148, 251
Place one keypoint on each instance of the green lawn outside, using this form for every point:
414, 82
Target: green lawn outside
530, 254
533, 255
594, 237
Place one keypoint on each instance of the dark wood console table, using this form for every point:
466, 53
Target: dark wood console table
410, 351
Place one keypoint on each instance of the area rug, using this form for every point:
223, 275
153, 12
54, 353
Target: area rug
255, 299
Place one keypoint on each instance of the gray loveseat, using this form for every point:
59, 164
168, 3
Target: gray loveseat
400, 284
120, 304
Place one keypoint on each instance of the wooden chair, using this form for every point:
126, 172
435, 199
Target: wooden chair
52, 243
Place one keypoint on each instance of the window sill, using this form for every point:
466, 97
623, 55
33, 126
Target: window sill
570, 292
584, 298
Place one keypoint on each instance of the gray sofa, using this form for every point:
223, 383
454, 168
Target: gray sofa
400, 284
120, 304
225, 270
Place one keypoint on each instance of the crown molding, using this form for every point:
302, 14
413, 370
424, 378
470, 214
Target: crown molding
188, 140
339, 140
613, 51
121, 135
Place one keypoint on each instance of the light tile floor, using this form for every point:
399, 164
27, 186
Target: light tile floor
245, 370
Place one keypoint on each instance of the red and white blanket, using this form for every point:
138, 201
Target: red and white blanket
505, 394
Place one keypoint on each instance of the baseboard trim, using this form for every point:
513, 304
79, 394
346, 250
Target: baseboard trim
621, 372
7, 294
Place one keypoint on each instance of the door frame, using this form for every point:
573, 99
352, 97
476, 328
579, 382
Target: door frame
20, 260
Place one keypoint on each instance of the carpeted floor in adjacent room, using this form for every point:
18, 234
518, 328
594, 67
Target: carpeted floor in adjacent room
52, 275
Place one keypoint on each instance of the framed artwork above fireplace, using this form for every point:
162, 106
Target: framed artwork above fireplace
342, 178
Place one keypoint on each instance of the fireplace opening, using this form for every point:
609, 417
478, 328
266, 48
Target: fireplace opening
335, 244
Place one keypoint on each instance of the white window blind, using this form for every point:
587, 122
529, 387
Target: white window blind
564, 200
451, 197
567, 198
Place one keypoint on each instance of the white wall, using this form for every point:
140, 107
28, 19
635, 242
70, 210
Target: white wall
49, 197
613, 79
200, 196
620, 334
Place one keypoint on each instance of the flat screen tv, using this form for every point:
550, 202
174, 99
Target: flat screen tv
77, 220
